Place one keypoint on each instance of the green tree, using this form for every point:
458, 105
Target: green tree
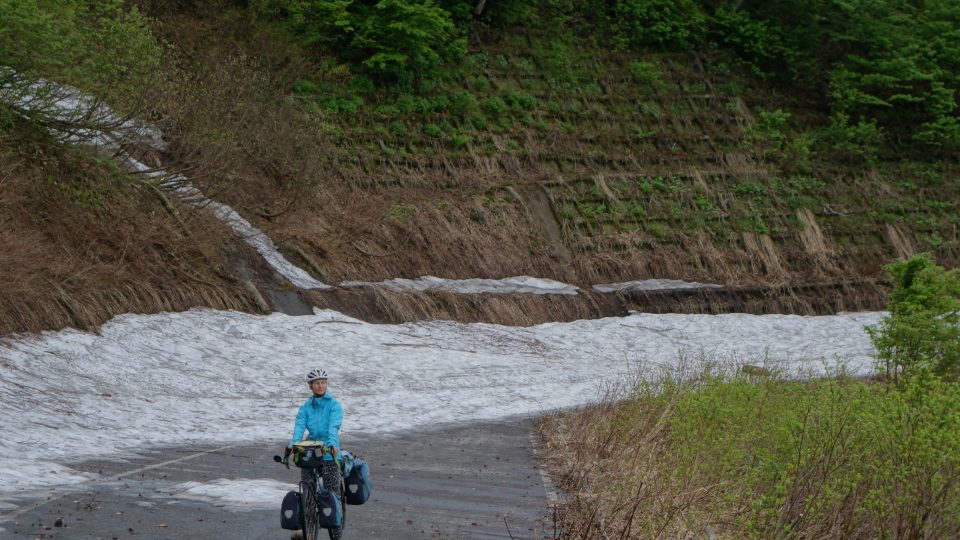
399, 37
922, 331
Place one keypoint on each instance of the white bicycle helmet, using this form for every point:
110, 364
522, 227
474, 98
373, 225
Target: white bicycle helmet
316, 374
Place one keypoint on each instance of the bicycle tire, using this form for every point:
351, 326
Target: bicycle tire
309, 522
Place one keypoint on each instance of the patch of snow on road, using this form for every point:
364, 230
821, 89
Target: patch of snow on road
243, 494
510, 285
207, 377
653, 285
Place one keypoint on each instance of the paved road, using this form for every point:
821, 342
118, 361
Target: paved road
479, 481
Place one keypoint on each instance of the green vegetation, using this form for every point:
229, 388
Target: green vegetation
890, 65
751, 454
98, 46
922, 333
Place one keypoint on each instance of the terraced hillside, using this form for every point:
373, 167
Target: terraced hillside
589, 166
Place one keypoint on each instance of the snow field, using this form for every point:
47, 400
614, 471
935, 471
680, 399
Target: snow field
206, 377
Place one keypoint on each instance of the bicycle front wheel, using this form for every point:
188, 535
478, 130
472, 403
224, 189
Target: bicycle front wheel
309, 522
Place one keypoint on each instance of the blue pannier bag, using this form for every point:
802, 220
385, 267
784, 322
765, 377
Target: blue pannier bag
357, 482
328, 506
290, 511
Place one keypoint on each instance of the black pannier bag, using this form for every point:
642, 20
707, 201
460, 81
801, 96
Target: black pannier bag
357, 483
290, 511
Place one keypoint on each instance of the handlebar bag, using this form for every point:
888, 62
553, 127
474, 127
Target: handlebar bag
290, 511
308, 458
357, 483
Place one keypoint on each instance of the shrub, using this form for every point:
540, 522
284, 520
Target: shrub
432, 130
346, 104
494, 105
459, 141
463, 102
520, 101
478, 121
408, 103
922, 331
635, 24
646, 73
855, 143
481, 84
398, 128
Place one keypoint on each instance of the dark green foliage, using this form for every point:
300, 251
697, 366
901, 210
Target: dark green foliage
393, 40
889, 62
520, 101
922, 332
398, 37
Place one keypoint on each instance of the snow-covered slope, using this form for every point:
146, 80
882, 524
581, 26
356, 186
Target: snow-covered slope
213, 377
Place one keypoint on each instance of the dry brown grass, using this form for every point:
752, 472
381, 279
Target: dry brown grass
82, 243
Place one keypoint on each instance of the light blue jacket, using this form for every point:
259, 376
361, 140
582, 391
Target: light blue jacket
321, 417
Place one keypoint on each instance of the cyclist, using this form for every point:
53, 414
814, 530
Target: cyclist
320, 417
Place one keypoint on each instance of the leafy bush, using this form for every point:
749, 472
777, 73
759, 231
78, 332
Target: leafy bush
432, 130
345, 105
855, 143
494, 105
922, 331
635, 24
98, 46
520, 101
399, 37
393, 40
463, 102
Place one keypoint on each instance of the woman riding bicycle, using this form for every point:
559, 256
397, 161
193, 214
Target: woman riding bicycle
320, 417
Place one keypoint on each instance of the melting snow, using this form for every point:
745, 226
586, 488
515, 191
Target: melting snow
216, 377
511, 285
653, 285
242, 494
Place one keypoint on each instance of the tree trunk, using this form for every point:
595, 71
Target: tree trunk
478, 8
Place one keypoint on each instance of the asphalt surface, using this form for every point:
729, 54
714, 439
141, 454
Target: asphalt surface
478, 481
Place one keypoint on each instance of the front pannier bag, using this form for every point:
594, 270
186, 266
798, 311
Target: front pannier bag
290, 511
331, 515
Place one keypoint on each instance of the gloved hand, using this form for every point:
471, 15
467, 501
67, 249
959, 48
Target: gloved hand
334, 451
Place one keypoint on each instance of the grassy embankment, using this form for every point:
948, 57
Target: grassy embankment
745, 453
80, 239
541, 151
652, 165
756, 456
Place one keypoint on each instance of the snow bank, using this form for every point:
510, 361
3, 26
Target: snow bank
653, 285
214, 377
511, 285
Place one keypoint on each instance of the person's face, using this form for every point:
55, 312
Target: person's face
319, 386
